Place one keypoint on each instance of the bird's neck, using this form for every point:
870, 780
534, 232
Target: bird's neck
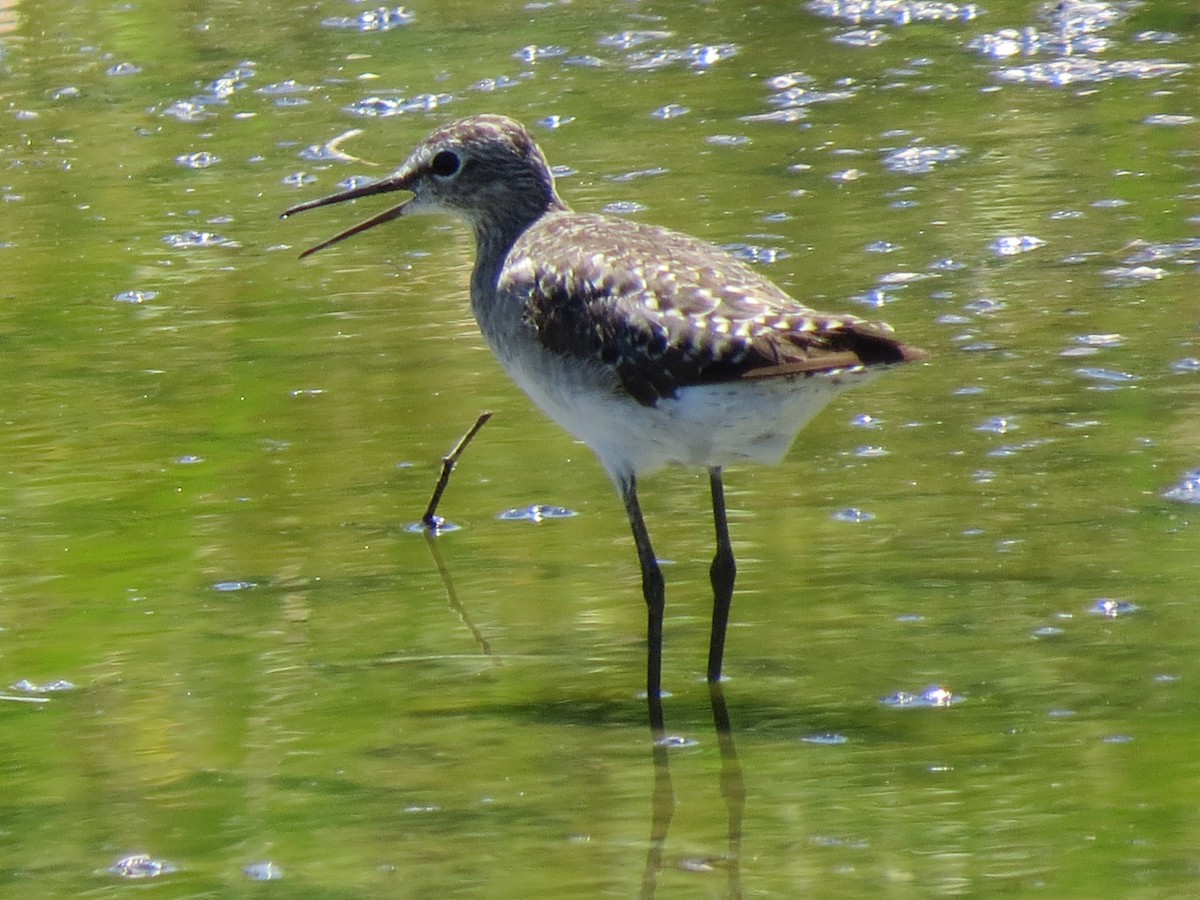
497, 230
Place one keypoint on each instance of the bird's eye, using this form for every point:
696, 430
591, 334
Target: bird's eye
445, 164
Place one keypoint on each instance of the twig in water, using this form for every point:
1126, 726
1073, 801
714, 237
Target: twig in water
430, 520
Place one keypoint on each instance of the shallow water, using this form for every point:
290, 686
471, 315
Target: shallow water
221, 648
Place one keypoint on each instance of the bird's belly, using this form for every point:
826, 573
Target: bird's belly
703, 425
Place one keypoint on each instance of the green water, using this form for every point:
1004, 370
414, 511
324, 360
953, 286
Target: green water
204, 494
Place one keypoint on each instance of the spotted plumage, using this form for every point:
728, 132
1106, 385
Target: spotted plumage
651, 346
701, 318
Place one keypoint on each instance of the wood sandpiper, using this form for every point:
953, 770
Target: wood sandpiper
650, 346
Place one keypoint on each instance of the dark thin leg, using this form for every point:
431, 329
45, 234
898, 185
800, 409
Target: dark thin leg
652, 590
722, 573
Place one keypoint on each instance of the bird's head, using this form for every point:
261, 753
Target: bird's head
485, 169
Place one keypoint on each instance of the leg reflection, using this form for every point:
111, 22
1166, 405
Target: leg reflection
663, 802
733, 792
733, 787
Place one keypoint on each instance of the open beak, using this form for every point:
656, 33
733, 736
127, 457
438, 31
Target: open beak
397, 182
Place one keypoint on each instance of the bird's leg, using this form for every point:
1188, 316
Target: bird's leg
721, 573
652, 590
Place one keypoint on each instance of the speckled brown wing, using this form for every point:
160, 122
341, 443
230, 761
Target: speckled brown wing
666, 311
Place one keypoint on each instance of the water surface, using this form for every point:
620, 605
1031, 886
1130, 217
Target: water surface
221, 648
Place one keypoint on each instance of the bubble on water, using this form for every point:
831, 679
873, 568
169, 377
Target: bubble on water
984, 306
752, 253
869, 451
861, 37
1110, 378
627, 40
382, 107
537, 512
875, 297
140, 865
853, 514
58, 686
1144, 252
1069, 70
380, 19
262, 871
191, 239
584, 60
1186, 490
135, 296
695, 56
187, 111
1048, 631
1110, 608
919, 160
355, 181
376, 107
532, 53
201, 160
933, 696
1007, 450
123, 68
727, 140
1126, 275
490, 85
789, 80
895, 12
881, 247
1158, 37
1170, 121
676, 741
640, 173
623, 207
1012, 245
827, 739
670, 111
285, 88
231, 587
947, 264
996, 425
555, 122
